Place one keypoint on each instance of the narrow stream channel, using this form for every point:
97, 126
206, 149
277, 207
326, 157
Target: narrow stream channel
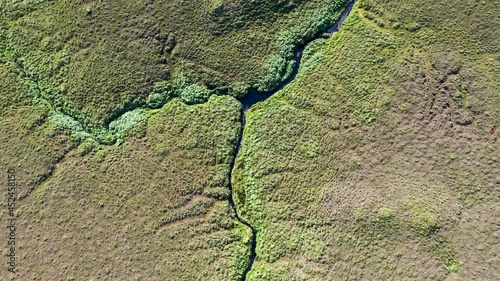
254, 97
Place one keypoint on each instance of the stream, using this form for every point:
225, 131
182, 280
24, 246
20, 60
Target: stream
254, 97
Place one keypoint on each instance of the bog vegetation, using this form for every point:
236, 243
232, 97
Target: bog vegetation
95, 60
378, 162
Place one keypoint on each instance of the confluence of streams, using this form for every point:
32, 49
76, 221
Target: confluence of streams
254, 97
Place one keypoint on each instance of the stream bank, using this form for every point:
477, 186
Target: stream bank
254, 97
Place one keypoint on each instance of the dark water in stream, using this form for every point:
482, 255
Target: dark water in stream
254, 97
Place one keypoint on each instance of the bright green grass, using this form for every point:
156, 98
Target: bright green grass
346, 173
